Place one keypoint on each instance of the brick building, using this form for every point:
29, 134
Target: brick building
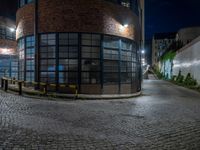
8, 45
90, 43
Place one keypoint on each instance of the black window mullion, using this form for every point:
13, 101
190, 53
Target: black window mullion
79, 60
57, 61
119, 71
102, 63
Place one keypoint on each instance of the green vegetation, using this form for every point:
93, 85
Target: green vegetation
158, 73
188, 81
168, 56
180, 78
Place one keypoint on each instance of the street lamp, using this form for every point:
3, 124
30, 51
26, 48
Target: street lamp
143, 51
12, 29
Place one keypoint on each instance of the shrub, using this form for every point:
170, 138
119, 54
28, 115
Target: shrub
174, 78
189, 81
180, 78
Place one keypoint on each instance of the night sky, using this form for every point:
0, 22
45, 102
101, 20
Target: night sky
161, 15
8, 8
171, 15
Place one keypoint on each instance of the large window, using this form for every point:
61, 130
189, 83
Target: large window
6, 33
24, 2
68, 58
119, 60
48, 58
30, 58
126, 61
132, 4
14, 67
111, 59
8, 66
21, 51
72, 58
90, 63
125, 3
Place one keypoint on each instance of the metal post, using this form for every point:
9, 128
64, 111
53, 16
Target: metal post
20, 87
2, 83
76, 91
45, 89
6, 85
14, 80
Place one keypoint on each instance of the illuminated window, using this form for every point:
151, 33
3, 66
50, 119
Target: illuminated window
125, 3
6, 33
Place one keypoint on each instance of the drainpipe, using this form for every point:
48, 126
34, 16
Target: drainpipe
36, 43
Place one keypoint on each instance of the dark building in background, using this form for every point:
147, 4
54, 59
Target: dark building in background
186, 35
148, 48
91, 43
160, 44
8, 45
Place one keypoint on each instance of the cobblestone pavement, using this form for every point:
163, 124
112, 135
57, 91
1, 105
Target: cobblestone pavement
165, 117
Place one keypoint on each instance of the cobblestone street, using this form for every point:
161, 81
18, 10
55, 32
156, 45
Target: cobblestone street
165, 117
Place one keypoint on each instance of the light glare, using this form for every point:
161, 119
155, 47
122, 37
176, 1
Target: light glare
12, 29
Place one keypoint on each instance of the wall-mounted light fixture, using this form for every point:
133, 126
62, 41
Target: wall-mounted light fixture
125, 25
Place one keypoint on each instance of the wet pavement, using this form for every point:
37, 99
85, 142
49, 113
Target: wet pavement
164, 117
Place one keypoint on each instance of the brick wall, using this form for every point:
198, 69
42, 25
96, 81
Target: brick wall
95, 16
25, 21
9, 44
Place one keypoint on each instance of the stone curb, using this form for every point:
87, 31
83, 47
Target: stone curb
80, 96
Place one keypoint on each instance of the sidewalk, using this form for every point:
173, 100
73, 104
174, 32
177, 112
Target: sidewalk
32, 91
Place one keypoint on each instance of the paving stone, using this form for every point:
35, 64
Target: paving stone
166, 117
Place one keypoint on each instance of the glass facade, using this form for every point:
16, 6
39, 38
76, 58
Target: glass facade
6, 33
21, 3
90, 58
68, 58
21, 51
48, 58
80, 59
132, 4
30, 58
26, 51
9, 66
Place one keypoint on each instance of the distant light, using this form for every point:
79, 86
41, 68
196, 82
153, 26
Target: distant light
143, 51
6, 51
12, 29
126, 25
